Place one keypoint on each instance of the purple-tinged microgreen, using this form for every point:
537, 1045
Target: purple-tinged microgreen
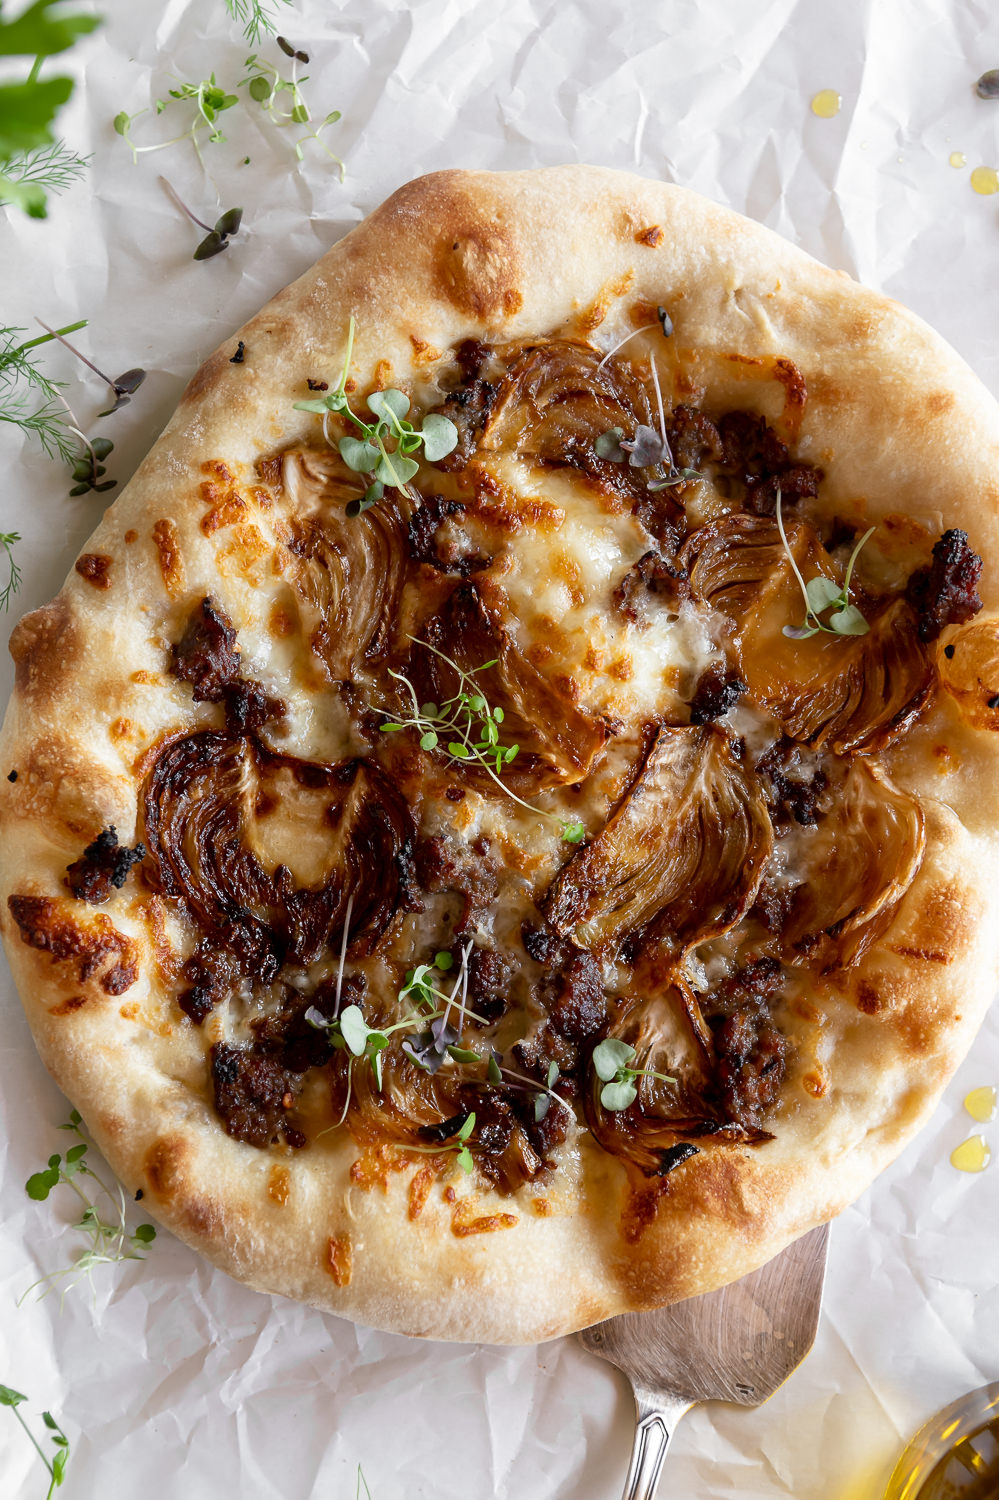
498, 1072
123, 387
110, 1241
268, 87
467, 729
648, 449
663, 321
254, 16
369, 454
821, 594
611, 1063
218, 236
56, 1465
542, 1103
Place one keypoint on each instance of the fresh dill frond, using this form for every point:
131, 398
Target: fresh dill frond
255, 16
29, 399
10, 588
52, 168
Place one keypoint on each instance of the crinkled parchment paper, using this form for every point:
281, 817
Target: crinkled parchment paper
170, 1380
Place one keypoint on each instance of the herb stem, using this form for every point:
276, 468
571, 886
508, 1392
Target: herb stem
34, 1441
36, 68
171, 192
343, 950
52, 334
55, 333
809, 613
621, 342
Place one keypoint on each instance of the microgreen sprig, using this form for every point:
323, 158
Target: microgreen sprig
26, 177
368, 454
820, 593
209, 99
468, 729
648, 449
122, 387
268, 87
56, 1465
612, 1065
217, 237
110, 1241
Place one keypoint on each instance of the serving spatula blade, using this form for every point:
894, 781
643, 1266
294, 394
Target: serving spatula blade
737, 1344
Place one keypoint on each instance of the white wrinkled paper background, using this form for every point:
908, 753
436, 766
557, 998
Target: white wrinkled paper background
172, 1381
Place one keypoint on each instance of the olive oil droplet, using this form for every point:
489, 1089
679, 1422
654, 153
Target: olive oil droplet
985, 180
958, 159
826, 104
981, 1104
973, 1155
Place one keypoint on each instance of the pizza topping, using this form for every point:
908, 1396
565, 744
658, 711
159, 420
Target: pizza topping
847, 875
446, 864
681, 856
207, 655
944, 592
750, 1051
821, 595
718, 689
226, 820
253, 1095
652, 577
432, 540
847, 693
753, 454
556, 740
348, 577
793, 782
104, 867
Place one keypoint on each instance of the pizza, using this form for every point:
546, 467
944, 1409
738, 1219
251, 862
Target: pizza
499, 826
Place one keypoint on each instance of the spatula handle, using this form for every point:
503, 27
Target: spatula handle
657, 1418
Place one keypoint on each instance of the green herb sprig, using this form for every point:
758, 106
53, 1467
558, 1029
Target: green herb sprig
28, 107
56, 1465
254, 16
468, 729
612, 1065
369, 453
271, 89
821, 594
28, 398
110, 1241
648, 449
209, 98
13, 583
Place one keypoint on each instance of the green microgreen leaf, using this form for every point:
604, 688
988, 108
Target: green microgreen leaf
821, 594
608, 445
610, 1056
443, 960
354, 1029
359, 454
389, 404
616, 1096
440, 437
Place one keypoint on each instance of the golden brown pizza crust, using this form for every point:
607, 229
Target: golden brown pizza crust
907, 439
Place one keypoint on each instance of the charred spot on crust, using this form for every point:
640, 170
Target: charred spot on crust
94, 568
207, 655
43, 925
945, 591
103, 867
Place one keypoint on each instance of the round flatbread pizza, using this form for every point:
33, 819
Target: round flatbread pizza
500, 826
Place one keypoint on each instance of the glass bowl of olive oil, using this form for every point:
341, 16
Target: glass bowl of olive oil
956, 1455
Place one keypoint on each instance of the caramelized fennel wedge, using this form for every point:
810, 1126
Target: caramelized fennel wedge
253, 840
847, 693
670, 1037
346, 571
558, 739
682, 855
852, 869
